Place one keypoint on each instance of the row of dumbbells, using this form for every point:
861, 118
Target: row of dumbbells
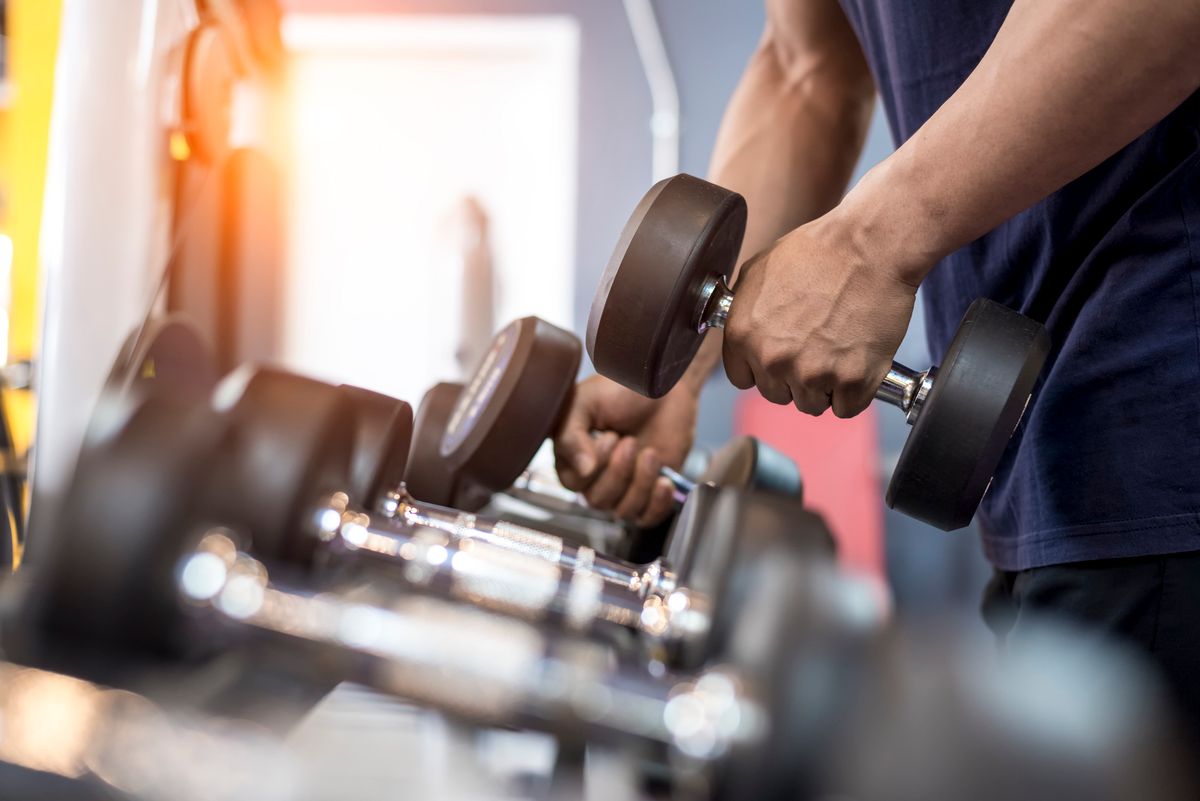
733, 660
737, 663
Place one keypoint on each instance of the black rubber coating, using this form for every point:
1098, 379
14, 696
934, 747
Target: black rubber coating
978, 397
166, 356
800, 644
687, 530
428, 476
290, 442
108, 577
749, 463
642, 326
385, 429
737, 528
512, 402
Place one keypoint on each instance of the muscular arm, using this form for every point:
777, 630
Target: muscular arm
1064, 85
793, 129
789, 141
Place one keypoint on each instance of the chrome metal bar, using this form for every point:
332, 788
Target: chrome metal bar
403, 511
478, 666
449, 558
899, 387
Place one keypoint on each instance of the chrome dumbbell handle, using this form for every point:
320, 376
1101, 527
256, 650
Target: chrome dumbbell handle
506, 569
401, 509
486, 668
902, 387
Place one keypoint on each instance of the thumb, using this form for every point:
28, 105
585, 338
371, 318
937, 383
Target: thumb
575, 455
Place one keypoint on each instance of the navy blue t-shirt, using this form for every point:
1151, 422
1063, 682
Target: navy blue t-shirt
1106, 463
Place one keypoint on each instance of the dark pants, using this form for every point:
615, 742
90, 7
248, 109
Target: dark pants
1152, 603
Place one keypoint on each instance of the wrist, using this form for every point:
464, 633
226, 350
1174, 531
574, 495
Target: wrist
888, 223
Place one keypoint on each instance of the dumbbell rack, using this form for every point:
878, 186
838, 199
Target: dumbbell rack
517, 570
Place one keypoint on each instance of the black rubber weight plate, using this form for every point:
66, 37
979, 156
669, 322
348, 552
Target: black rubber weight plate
749, 463
385, 427
512, 403
108, 577
680, 547
799, 642
289, 442
642, 326
428, 476
166, 356
737, 527
978, 397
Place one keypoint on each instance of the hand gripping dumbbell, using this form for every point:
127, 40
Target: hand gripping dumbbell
812, 701
480, 438
287, 441
141, 567
667, 283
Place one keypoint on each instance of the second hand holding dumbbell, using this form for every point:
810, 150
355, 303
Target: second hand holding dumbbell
667, 284
485, 435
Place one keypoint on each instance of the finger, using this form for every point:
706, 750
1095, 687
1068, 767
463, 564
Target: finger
646, 471
575, 456
662, 503
851, 400
602, 448
773, 389
812, 400
610, 485
604, 444
736, 367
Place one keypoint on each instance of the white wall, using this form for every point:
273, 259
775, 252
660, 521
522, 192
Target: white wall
395, 120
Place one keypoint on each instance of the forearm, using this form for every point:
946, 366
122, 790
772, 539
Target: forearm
1063, 86
788, 143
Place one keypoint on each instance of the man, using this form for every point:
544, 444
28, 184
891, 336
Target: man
1048, 158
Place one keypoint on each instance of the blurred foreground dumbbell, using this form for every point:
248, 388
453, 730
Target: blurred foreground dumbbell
812, 699
278, 473
134, 569
66, 738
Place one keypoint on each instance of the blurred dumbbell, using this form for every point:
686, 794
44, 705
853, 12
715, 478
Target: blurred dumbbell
812, 700
479, 439
71, 739
280, 464
140, 568
666, 284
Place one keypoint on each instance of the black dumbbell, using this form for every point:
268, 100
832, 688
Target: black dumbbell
168, 356
271, 470
163, 355
481, 438
535, 574
428, 476
812, 701
666, 284
141, 565
290, 438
